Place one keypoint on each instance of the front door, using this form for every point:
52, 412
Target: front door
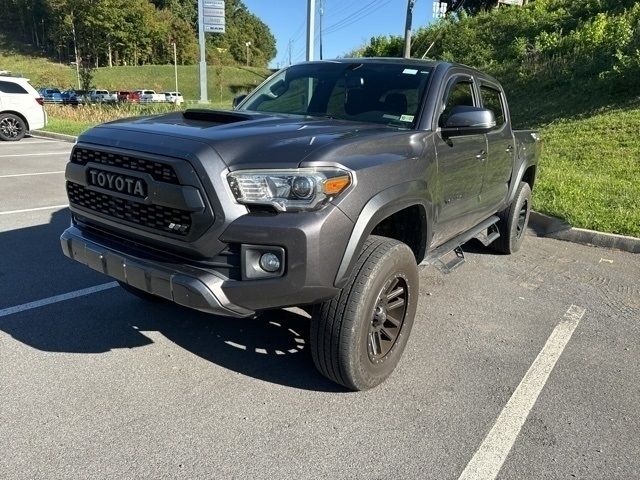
461, 165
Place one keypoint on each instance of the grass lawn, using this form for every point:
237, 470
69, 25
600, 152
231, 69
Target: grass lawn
67, 127
590, 171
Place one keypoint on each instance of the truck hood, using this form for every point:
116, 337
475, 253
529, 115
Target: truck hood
253, 140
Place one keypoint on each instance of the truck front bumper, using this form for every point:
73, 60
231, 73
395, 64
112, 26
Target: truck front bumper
183, 284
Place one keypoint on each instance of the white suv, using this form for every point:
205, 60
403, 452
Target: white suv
21, 108
174, 97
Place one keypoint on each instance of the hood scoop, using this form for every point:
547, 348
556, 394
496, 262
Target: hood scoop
218, 117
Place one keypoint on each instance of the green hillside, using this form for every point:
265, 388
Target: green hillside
224, 81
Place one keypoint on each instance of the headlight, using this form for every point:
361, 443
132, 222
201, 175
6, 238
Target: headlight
295, 189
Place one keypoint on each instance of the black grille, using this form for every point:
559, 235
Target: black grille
159, 171
155, 217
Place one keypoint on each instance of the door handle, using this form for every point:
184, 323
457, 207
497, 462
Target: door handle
482, 155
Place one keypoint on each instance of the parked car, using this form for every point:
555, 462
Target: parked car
73, 97
174, 97
149, 96
329, 194
21, 108
50, 95
102, 96
126, 96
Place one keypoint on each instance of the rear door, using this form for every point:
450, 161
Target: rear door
501, 154
461, 164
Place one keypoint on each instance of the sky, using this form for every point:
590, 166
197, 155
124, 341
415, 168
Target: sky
348, 24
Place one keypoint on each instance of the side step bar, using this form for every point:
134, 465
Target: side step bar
486, 232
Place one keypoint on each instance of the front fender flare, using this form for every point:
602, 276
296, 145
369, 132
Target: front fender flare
379, 207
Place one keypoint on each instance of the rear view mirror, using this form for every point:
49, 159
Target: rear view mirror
466, 120
278, 88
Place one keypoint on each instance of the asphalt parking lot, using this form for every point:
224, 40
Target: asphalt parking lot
521, 366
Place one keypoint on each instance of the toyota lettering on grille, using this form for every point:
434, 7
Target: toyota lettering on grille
118, 183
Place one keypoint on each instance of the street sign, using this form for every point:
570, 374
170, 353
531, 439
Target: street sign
512, 2
213, 16
214, 29
214, 21
213, 12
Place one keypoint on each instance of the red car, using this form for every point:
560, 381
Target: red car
132, 97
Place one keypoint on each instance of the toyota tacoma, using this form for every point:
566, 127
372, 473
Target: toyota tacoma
327, 188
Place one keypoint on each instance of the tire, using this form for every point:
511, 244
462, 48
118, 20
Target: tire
513, 221
142, 294
351, 341
12, 127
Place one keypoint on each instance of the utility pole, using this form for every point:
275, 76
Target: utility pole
321, 15
311, 25
407, 28
175, 64
203, 59
75, 49
290, 49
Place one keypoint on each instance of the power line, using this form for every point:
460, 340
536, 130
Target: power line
354, 15
355, 18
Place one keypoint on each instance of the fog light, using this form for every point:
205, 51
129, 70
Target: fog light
269, 262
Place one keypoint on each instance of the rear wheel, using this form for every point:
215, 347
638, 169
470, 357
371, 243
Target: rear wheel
513, 221
12, 127
358, 337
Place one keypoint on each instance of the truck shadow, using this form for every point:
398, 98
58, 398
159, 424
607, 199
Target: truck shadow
272, 348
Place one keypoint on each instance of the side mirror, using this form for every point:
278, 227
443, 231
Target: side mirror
465, 120
237, 100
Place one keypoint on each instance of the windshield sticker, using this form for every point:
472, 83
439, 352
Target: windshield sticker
410, 71
407, 118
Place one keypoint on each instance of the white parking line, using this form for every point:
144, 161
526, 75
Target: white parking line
29, 174
45, 154
58, 298
490, 456
52, 207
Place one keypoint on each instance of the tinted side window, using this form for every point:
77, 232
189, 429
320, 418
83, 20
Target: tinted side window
492, 99
460, 94
10, 87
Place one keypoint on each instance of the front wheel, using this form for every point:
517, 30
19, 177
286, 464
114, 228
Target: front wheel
358, 337
12, 127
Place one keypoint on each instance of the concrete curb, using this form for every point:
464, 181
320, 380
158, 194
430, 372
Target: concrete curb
55, 136
551, 227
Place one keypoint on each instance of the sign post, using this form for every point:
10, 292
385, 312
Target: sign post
211, 19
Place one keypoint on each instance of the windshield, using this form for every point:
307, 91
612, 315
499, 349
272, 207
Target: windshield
386, 93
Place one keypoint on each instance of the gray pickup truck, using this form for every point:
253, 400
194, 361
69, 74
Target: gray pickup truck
327, 187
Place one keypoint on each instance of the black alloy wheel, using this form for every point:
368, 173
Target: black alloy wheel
12, 127
388, 318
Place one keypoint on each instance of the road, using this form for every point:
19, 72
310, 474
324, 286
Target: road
522, 366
